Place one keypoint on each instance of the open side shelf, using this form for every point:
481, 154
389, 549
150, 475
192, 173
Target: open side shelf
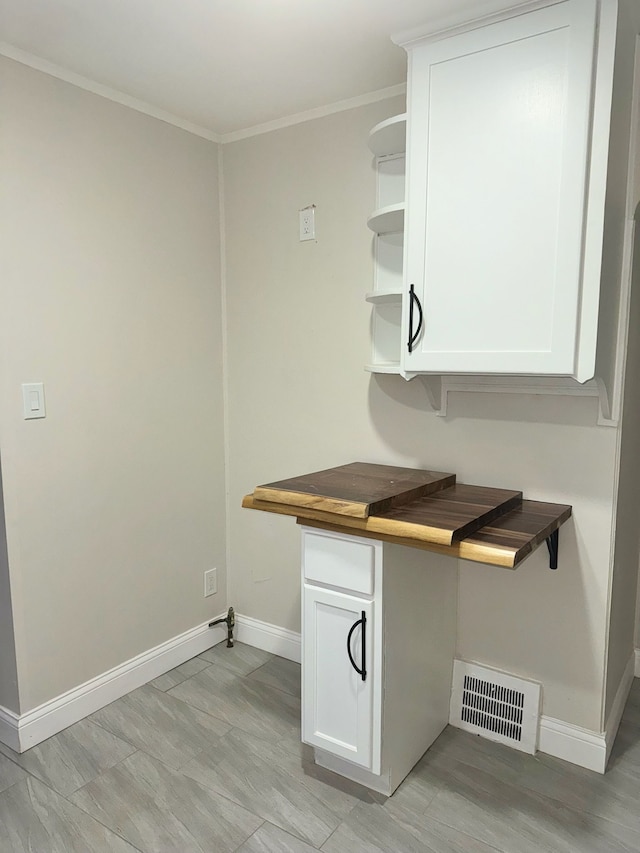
383, 297
387, 220
389, 136
387, 141
392, 367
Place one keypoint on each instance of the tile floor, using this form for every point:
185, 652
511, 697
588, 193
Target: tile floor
208, 758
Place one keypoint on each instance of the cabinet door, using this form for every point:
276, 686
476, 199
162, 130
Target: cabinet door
498, 143
337, 701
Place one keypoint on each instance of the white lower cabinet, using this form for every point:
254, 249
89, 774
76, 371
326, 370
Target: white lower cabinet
378, 641
339, 672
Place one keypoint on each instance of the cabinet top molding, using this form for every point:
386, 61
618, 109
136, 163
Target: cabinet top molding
419, 508
445, 26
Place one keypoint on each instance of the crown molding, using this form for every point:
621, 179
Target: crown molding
10, 52
317, 112
490, 12
35, 62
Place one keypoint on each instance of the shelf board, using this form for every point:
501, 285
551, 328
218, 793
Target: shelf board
383, 367
382, 297
390, 136
387, 220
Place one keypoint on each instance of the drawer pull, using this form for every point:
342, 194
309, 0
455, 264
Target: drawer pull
363, 637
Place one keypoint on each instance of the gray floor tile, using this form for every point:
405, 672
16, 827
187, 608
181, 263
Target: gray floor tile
270, 780
518, 820
613, 796
466, 795
414, 794
248, 705
74, 757
159, 724
34, 819
159, 810
10, 773
632, 708
240, 659
626, 749
179, 674
368, 829
407, 808
272, 839
280, 673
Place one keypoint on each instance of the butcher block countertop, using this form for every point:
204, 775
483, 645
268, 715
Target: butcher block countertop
418, 508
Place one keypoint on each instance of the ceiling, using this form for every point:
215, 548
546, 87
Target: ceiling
227, 65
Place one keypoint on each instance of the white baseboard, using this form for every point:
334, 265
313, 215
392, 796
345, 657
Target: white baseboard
572, 743
620, 700
637, 667
20, 732
9, 729
27, 730
581, 746
269, 638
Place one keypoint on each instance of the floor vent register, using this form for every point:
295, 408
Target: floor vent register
495, 705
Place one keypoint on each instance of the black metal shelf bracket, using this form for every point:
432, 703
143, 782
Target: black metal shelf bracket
552, 545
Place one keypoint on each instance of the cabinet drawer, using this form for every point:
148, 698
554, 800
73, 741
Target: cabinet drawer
338, 560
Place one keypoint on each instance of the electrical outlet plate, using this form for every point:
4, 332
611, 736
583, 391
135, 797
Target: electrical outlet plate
210, 582
308, 223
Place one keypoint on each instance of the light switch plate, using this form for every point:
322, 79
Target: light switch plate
33, 400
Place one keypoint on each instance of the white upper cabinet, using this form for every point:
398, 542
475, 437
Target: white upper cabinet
499, 176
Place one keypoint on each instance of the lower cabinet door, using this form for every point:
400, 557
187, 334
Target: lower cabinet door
338, 674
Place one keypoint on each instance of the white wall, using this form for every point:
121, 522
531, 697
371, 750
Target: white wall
8, 672
299, 400
635, 208
115, 502
635, 167
622, 199
627, 540
110, 293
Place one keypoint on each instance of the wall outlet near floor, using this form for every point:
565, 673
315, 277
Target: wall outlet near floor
307, 222
210, 582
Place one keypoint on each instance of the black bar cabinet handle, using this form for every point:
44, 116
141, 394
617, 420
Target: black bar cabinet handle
413, 297
362, 621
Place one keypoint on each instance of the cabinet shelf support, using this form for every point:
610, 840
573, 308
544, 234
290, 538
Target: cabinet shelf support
552, 545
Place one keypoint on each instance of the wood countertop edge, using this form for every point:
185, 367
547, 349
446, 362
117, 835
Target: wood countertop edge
521, 553
535, 541
493, 555
430, 539
321, 503
372, 525
358, 489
